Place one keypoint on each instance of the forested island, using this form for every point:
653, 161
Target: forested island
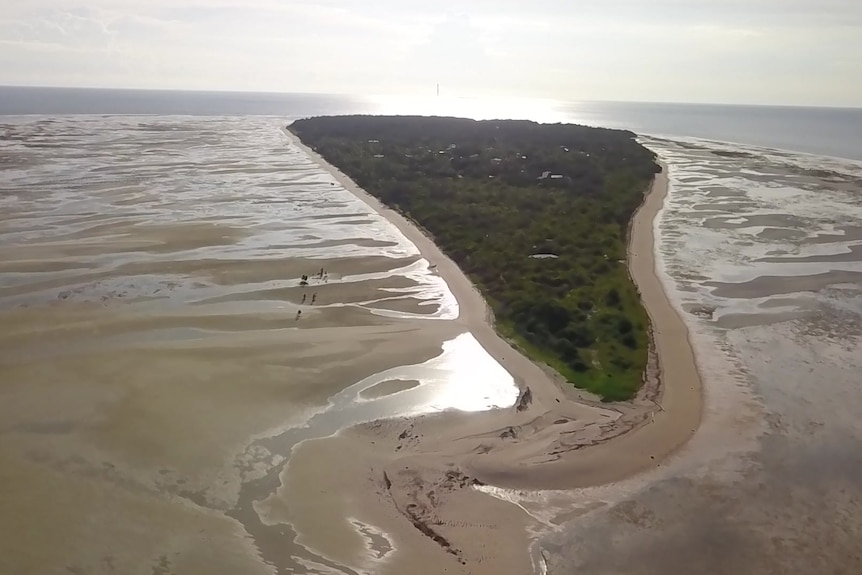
536, 215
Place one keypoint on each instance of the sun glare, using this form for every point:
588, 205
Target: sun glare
539, 110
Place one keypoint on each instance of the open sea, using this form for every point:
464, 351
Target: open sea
760, 247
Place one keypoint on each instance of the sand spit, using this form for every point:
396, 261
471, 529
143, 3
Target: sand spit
417, 474
388, 387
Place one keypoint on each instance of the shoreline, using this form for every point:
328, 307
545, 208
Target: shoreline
557, 437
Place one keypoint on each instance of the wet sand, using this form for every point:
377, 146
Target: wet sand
151, 336
388, 387
165, 408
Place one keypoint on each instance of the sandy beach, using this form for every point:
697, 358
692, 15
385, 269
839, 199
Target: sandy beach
423, 470
174, 399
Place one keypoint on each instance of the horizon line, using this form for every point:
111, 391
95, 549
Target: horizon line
419, 96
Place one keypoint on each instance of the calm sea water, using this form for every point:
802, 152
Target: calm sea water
823, 131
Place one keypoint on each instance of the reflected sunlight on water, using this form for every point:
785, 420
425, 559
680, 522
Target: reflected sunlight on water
464, 377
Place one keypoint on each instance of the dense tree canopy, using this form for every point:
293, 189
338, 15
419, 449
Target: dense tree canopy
495, 194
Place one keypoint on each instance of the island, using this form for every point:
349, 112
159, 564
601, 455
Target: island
536, 215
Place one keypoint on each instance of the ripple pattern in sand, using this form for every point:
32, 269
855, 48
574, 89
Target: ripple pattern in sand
156, 323
753, 235
192, 210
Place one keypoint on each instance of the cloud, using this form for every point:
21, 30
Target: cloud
706, 50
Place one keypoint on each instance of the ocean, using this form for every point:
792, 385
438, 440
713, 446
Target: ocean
819, 131
760, 247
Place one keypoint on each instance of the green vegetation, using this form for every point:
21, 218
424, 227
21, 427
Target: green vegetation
495, 193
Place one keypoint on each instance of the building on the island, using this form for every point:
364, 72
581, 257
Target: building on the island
547, 175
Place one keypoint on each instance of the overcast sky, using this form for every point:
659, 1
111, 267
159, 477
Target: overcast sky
733, 51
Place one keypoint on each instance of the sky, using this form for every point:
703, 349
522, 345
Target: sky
793, 52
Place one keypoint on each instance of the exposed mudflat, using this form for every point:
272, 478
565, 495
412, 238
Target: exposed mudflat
764, 253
